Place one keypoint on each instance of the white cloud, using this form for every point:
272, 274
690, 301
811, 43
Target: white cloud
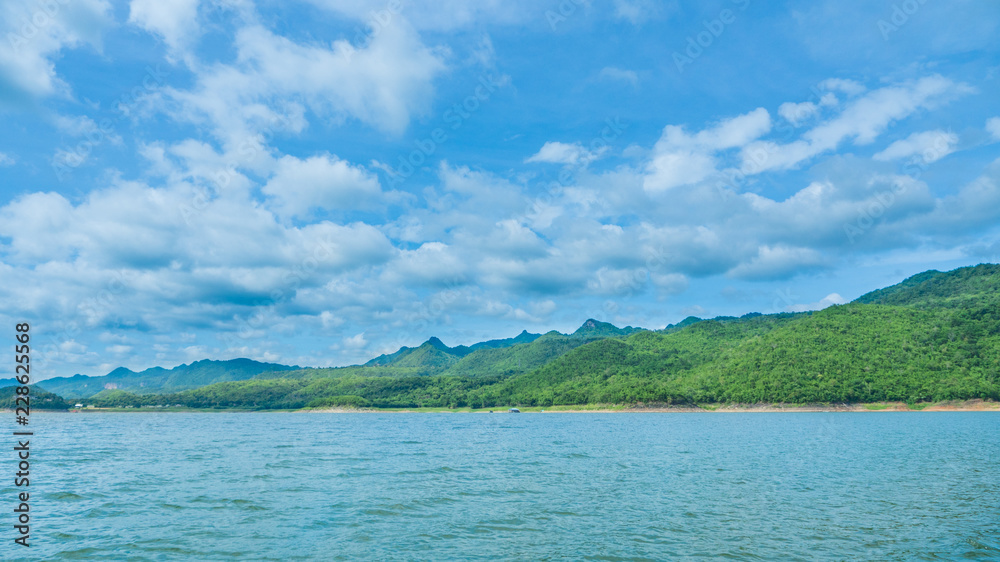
83, 126
555, 152
132, 227
680, 158
610, 281
6, 160
862, 121
827, 301
540, 310
176, 21
320, 182
797, 113
620, 75
849, 87
437, 15
432, 264
356, 341
382, 84
930, 146
778, 262
670, 283
993, 127
34, 34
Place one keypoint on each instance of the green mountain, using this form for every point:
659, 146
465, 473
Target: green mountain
596, 329
520, 358
523, 337
933, 337
158, 379
965, 287
38, 399
434, 354
493, 358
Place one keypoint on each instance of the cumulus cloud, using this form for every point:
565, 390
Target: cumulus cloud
35, 34
383, 83
433, 264
320, 182
779, 262
670, 283
136, 239
680, 158
356, 341
176, 21
208, 242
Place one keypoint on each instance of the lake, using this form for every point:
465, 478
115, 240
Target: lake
621, 486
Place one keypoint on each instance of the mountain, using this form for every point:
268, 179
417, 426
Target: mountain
486, 359
434, 353
508, 356
593, 328
158, 379
523, 337
932, 337
40, 399
519, 358
964, 287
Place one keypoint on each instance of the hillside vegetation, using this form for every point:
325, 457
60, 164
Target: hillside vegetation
38, 399
933, 337
159, 380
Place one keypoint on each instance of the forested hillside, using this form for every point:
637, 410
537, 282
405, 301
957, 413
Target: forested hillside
933, 337
38, 399
158, 379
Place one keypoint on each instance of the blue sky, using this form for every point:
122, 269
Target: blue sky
319, 182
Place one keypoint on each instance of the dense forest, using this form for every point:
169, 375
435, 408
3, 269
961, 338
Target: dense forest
38, 399
933, 337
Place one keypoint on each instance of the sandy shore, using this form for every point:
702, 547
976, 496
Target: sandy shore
951, 406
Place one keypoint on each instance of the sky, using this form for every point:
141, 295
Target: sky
322, 181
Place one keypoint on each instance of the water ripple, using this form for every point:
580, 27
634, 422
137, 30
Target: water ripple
574, 486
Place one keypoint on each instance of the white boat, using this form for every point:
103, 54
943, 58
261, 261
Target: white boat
513, 411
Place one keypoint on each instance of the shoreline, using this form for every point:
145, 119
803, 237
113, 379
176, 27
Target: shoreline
976, 405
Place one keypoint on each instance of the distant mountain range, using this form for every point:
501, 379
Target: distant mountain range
157, 379
432, 357
935, 336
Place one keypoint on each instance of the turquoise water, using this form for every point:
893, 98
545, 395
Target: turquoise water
144, 486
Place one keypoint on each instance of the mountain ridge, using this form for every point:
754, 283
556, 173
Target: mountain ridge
934, 335
157, 379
